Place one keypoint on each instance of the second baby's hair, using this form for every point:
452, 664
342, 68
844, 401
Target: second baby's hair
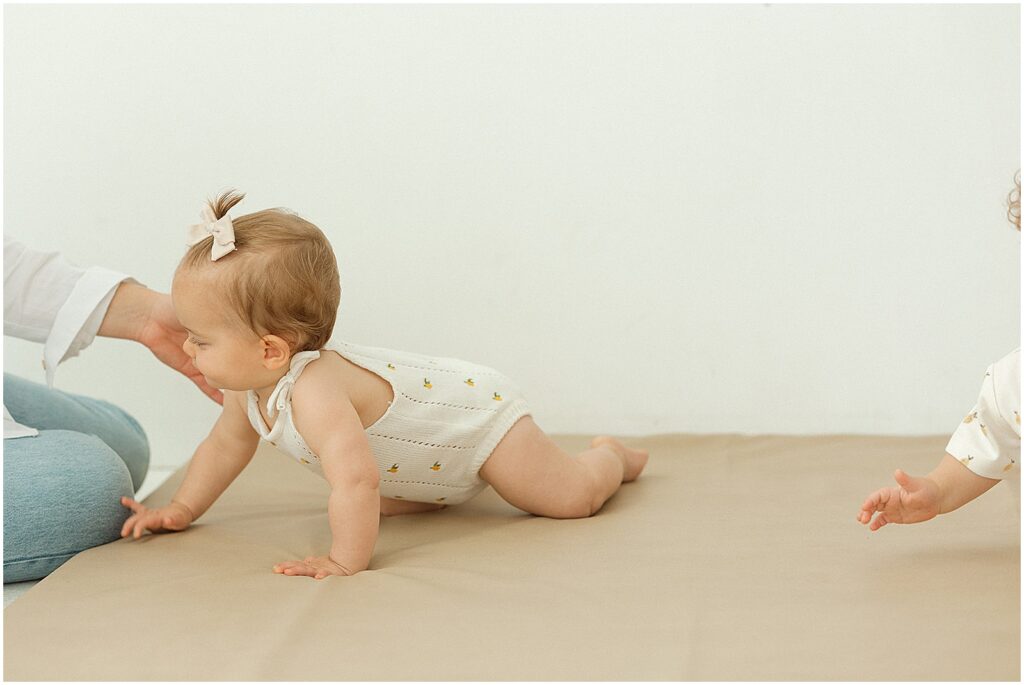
281, 279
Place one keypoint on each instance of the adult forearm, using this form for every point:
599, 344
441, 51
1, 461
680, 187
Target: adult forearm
354, 515
958, 485
129, 312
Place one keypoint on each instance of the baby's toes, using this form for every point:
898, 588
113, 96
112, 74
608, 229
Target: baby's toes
636, 460
633, 460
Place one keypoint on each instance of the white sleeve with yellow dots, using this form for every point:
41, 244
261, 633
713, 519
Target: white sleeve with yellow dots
987, 441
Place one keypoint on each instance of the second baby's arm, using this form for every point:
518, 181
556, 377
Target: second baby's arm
330, 425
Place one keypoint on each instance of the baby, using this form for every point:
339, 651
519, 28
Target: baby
391, 432
984, 449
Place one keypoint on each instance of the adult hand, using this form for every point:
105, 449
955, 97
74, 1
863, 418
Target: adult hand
146, 316
164, 336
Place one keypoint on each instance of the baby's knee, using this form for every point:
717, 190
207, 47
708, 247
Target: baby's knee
581, 500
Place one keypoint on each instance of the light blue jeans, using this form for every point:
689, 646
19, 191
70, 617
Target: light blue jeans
62, 488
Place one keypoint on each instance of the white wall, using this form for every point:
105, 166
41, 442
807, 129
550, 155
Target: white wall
784, 219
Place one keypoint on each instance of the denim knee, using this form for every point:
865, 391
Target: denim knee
62, 493
131, 445
46, 408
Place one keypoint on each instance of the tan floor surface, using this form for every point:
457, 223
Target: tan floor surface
735, 558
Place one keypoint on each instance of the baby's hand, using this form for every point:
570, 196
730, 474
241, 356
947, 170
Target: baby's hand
173, 517
916, 500
315, 567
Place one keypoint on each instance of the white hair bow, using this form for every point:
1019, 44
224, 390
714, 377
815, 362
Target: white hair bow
221, 229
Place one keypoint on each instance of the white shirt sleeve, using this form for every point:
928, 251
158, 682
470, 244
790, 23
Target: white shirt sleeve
988, 439
13, 429
48, 300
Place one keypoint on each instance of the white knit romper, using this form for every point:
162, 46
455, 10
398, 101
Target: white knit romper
446, 418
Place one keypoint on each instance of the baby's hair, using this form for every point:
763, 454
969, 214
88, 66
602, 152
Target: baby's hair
1013, 210
282, 278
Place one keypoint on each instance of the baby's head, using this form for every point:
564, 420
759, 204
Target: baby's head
249, 311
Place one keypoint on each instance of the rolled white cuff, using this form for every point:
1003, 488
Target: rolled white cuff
80, 317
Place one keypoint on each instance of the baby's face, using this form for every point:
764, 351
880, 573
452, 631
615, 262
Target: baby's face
229, 357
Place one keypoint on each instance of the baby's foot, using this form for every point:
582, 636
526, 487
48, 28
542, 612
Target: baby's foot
633, 461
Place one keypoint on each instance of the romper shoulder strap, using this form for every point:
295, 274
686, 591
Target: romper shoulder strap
282, 394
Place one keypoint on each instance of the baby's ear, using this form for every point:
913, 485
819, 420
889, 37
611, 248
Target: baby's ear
276, 351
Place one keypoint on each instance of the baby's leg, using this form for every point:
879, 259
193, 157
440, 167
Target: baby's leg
532, 473
397, 507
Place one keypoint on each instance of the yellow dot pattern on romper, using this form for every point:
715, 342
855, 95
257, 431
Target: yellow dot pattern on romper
970, 417
966, 460
437, 466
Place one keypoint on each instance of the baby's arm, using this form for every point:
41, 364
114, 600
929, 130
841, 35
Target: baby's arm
948, 487
217, 461
330, 425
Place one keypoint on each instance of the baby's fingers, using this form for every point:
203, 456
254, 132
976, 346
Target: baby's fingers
147, 521
133, 505
872, 504
128, 525
294, 568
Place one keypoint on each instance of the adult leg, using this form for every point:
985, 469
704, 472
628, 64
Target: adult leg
534, 474
38, 406
62, 494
